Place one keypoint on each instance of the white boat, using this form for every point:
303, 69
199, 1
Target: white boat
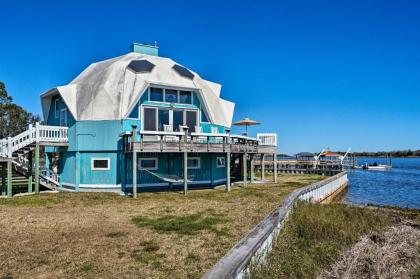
376, 166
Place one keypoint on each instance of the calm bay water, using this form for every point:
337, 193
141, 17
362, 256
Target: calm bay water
399, 186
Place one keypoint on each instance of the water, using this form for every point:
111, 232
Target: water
399, 186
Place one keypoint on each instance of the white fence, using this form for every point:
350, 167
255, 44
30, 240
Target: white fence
267, 139
39, 133
254, 247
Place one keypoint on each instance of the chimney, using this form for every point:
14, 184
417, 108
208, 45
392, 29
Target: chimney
145, 48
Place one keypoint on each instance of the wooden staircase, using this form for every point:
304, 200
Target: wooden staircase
20, 170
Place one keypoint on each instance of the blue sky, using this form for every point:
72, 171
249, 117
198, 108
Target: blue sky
319, 73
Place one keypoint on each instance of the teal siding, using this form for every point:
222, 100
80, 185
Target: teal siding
89, 176
172, 164
67, 168
98, 135
55, 121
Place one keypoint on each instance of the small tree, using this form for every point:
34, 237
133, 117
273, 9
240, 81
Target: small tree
13, 118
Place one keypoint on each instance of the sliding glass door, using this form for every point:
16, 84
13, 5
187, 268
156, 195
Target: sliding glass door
155, 119
149, 119
177, 119
191, 120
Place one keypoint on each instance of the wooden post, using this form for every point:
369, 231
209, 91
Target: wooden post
228, 161
37, 158
262, 167
9, 178
245, 169
133, 140
3, 178
30, 178
275, 168
185, 159
37, 168
252, 169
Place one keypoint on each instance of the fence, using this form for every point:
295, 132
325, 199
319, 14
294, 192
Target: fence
255, 246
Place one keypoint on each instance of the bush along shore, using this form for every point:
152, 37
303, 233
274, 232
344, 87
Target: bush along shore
343, 241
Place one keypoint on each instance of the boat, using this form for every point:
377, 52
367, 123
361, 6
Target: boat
376, 166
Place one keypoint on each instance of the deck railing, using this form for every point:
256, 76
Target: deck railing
161, 141
39, 133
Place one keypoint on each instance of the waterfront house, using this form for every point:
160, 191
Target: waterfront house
148, 108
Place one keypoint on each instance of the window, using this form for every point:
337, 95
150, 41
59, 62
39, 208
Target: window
63, 117
221, 162
171, 96
149, 119
156, 94
99, 164
56, 108
193, 163
147, 163
185, 97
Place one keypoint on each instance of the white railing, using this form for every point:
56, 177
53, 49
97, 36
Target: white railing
53, 134
39, 133
50, 177
267, 139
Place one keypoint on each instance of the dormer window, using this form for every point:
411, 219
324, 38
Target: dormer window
167, 95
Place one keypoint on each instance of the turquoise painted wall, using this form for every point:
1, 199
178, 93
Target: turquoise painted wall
173, 164
89, 176
67, 167
98, 135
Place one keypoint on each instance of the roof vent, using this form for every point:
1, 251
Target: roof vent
145, 49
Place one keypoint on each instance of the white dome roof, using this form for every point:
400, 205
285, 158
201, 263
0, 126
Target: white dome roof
108, 90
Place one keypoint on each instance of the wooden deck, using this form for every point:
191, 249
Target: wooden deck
198, 147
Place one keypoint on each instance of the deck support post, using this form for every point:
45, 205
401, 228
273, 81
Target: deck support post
275, 167
252, 169
133, 140
3, 179
30, 178
37, 168
245, 168
9, 178
262, 167
228, 160
185, 161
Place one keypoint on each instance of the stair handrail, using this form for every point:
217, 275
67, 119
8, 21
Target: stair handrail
38, 133
50, 176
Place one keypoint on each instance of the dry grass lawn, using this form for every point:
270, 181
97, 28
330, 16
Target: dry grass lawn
159, 235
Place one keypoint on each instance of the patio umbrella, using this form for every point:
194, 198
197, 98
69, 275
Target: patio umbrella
246, 122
